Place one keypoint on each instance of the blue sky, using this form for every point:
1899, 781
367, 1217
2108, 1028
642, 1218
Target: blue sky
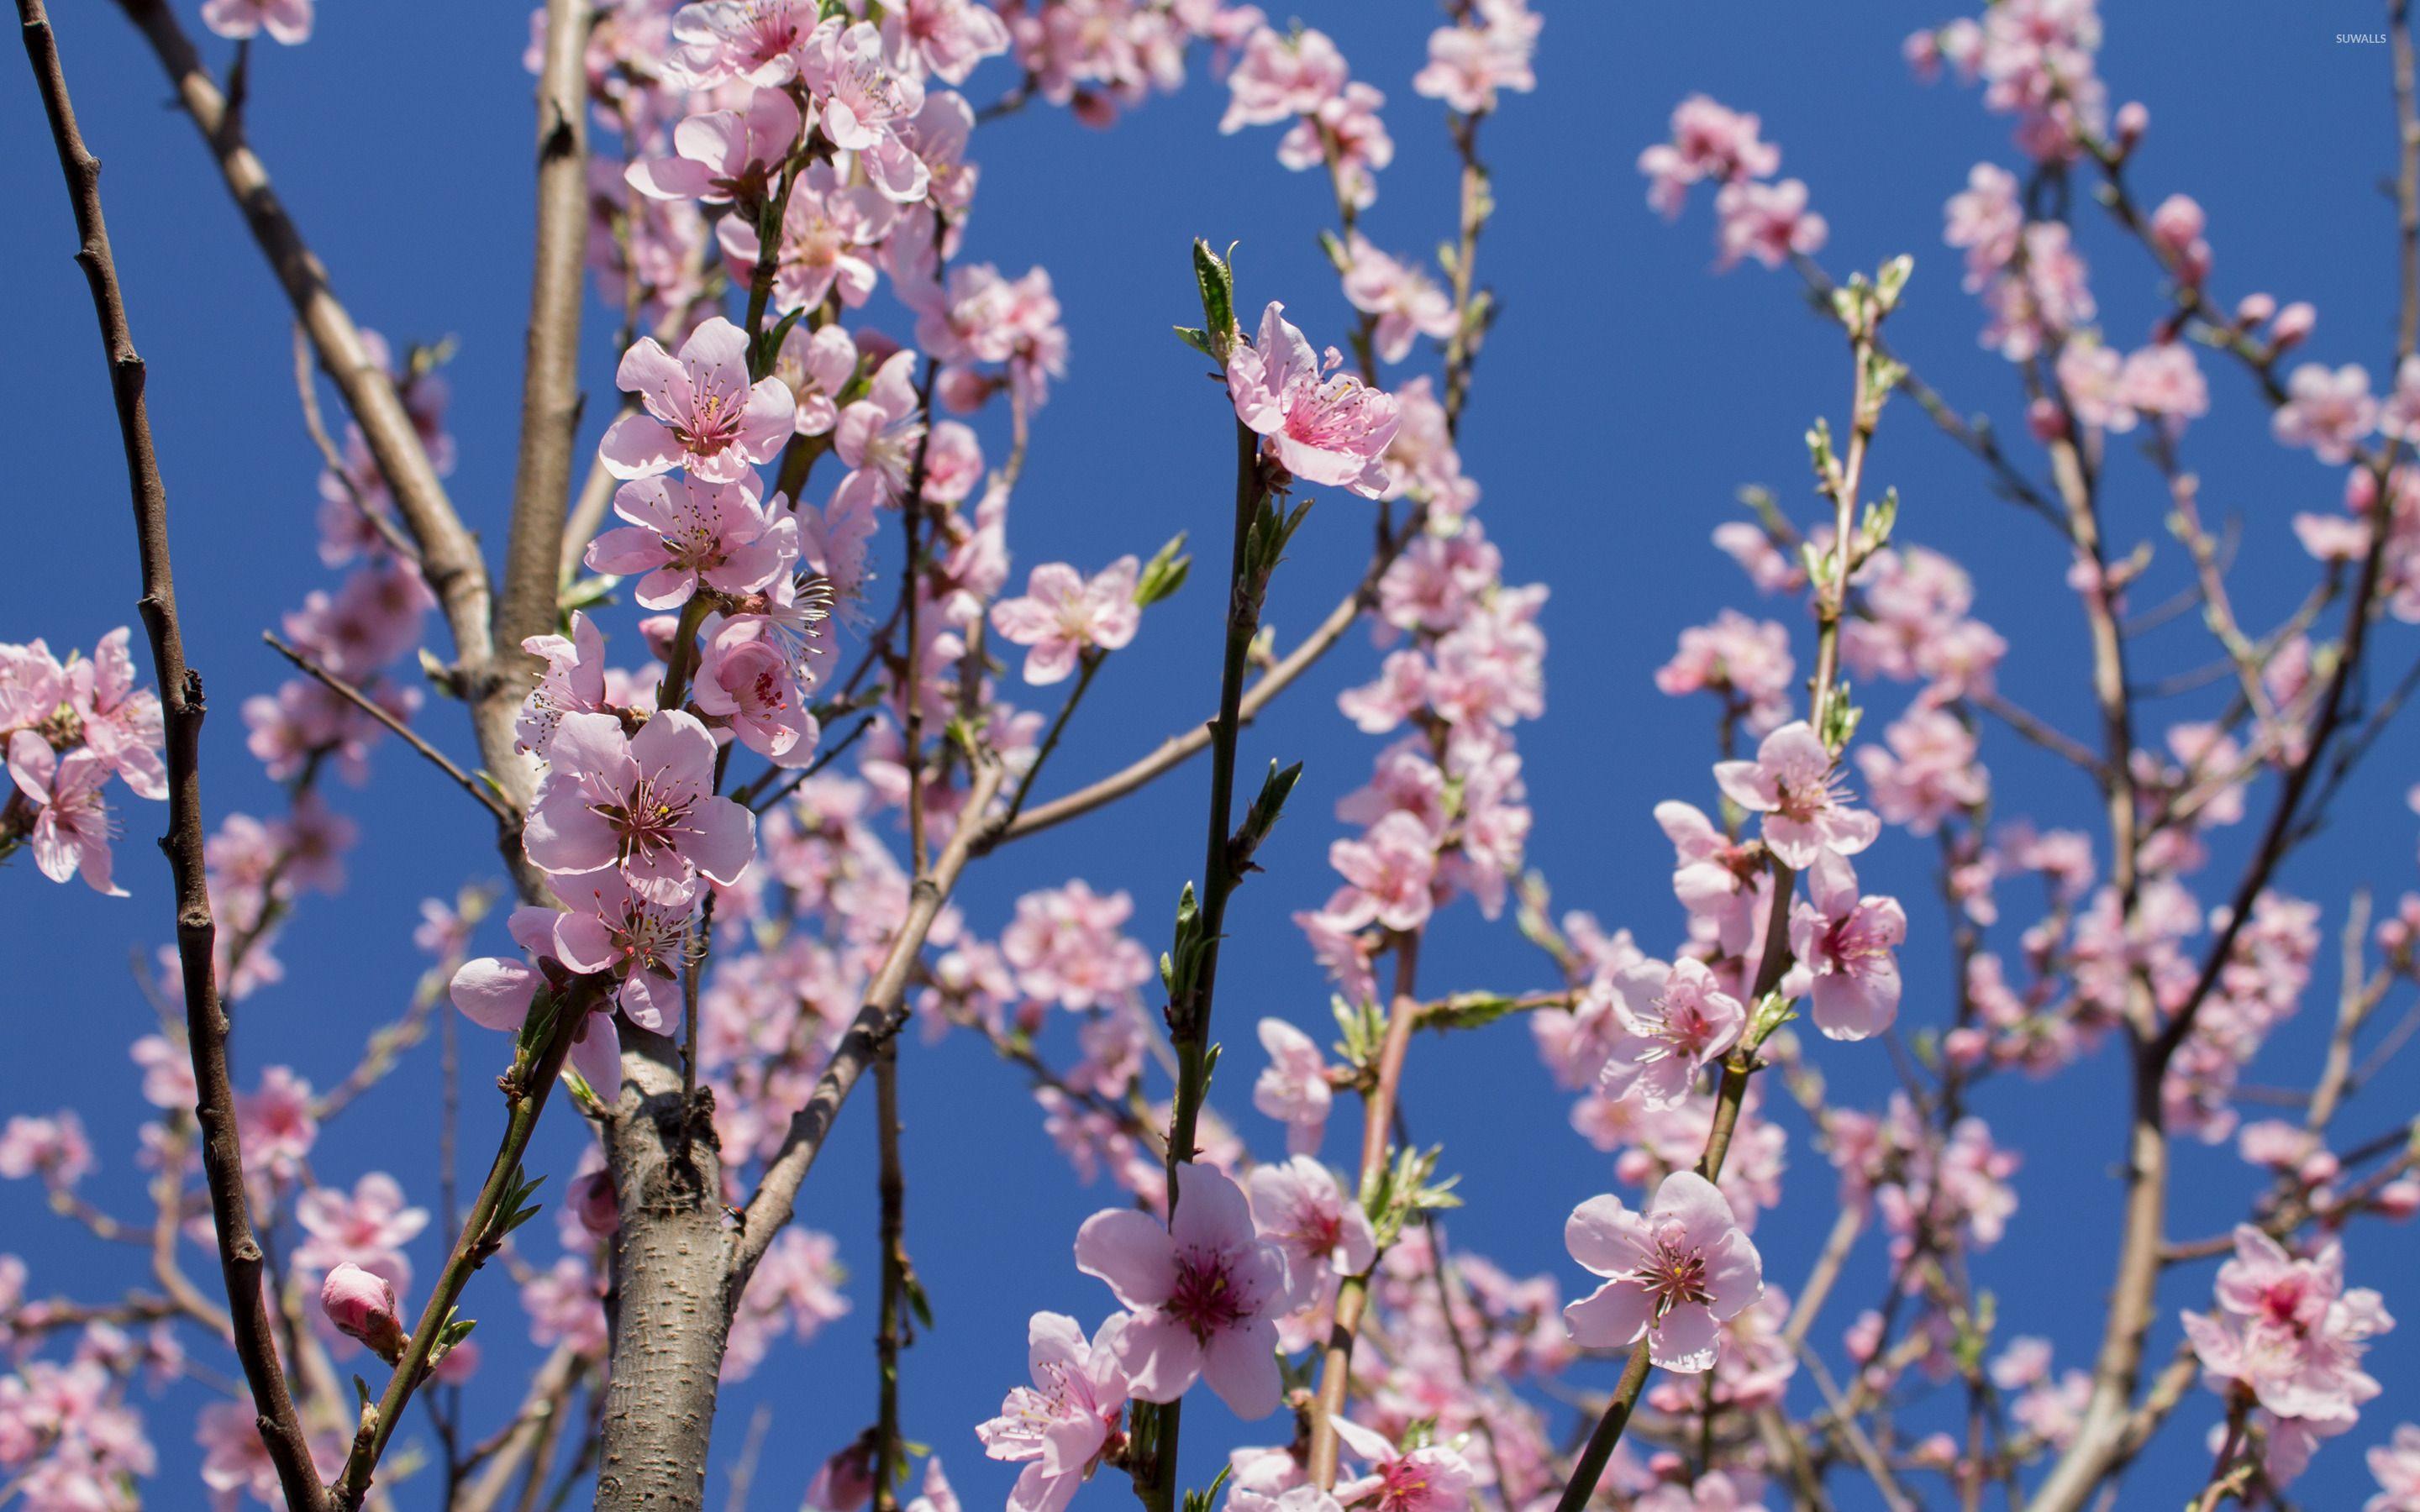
1623, 396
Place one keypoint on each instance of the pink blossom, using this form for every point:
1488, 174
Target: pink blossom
1391, 869
1294, 1088
1431, 1478
2165, 381
1848, 943
1068, 947
54, 1148
285, 20
121, 722
2177, 229
1770, 222
1673, 1273
1748, 659
610, 928
1407, 302
1065, 616
944, 37
1346, 136
1927, 774
73, 828
1280, 76
361, 1305
2289, 1331
864, 105
277, 1123
702, 413
368, 1228
644, 802
1318, 1227
1325, 430
1674, 1022
1069, 1420
683, 535
879, 434
723, 155
496, 993
828, 229
1709, 142
747, 677
1202, 1294
2396, 1466
2398, 416
573, 682
1791, 783
1467, 65
2329, 412
757, 41
816, 364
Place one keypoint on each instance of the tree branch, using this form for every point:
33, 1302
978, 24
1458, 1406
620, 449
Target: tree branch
182, 708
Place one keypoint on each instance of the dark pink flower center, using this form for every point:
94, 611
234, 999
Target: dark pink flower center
1205, 1297
713, 422
1674, 1272
648, 819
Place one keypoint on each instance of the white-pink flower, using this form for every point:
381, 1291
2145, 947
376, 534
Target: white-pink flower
720, 156
1407, 303
368, 1227
1202, 1294
1431, 1478
1322, 426
685, 532
496, 993
1391, 868
1848, 943
1063, 615
573, 682
750, 679
702, 413
1318, 1227
121, 722
1673, 1275
71, 828
2396, 1466
1294, 1090
1071, 1418
1674, 1021
609, 927
644, 802
285, 20
1791, 783
2329, 412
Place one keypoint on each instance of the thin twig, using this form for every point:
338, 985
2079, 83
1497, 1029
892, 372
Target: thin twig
370, 706
182, 706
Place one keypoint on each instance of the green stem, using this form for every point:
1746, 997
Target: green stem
526, 1092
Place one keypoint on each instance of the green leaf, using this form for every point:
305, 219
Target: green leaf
1467, 1011
1216, 279
1197, 339
1164, 574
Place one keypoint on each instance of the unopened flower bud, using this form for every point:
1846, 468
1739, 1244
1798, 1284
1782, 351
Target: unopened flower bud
2294, 323
361, 1305
2134, 119
594, 1203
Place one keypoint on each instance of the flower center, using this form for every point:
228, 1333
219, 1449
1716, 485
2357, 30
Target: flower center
1674, 1272
647, 820
1205, 1297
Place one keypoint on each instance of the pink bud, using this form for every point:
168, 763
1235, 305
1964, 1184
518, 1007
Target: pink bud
2134, 119
594, 1203
2318, 1168
361, 1305
845, 1482
2046, 421
2398, 1198
2255, 309
2294, 323
1966, 1046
